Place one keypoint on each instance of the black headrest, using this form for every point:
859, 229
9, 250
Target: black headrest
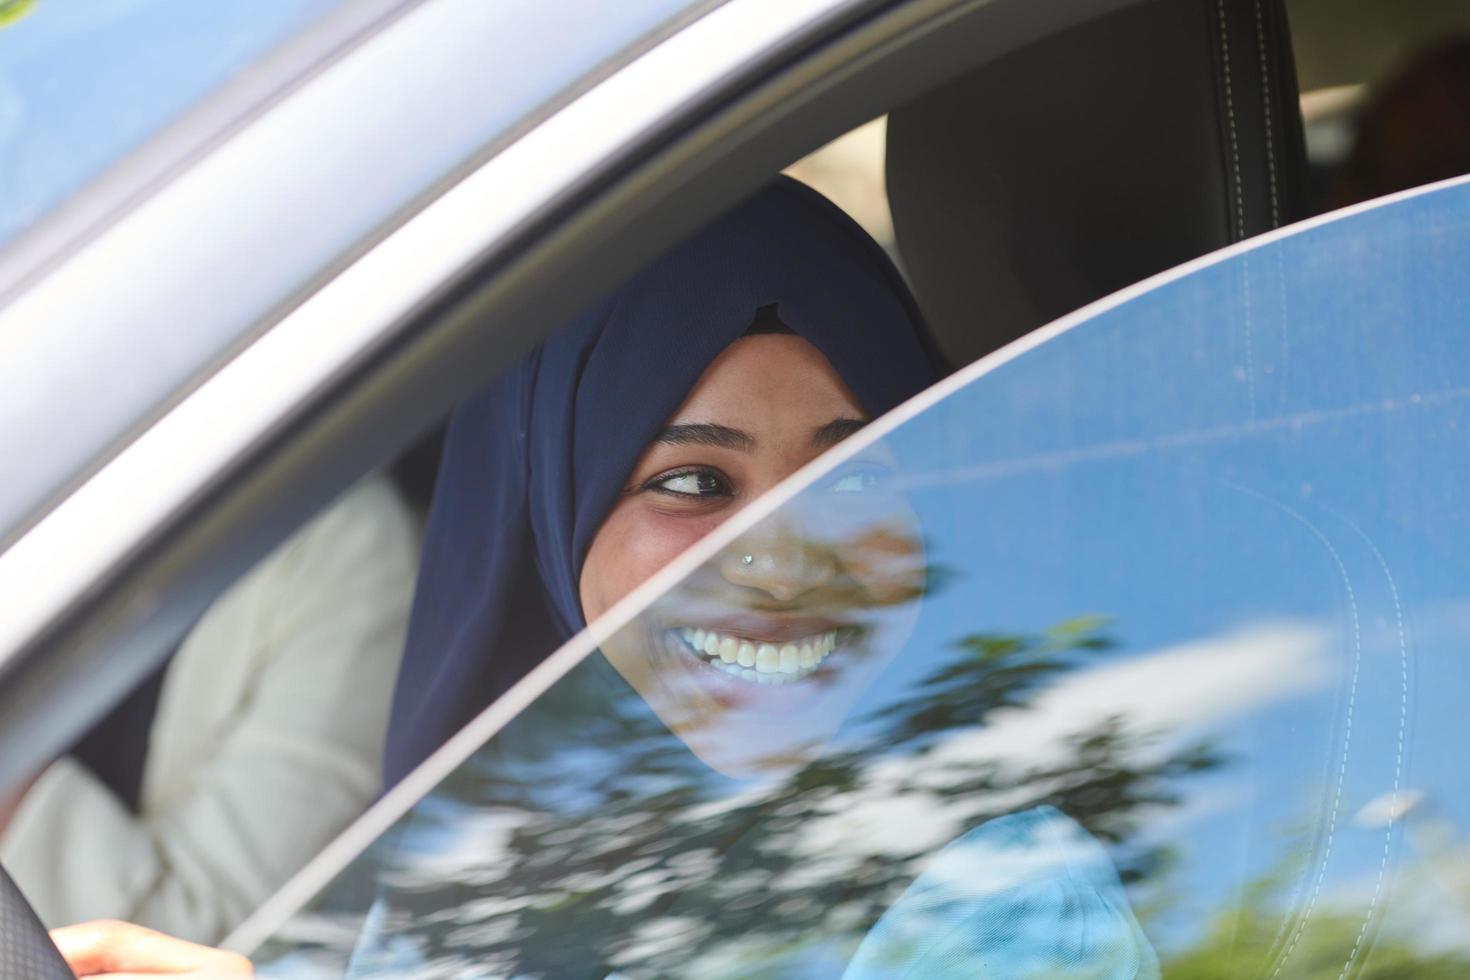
1091, 159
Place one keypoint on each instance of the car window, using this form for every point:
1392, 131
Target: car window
1145, 653
147, 61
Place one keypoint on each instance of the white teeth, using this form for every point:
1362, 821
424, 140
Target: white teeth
771, 663
790, 660
767, 660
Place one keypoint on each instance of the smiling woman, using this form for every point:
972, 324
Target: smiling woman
702, 382
783, 609
649, 804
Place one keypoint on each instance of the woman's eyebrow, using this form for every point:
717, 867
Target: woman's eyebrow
706, 434
835, 431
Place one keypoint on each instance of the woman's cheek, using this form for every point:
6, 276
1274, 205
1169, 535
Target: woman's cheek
636, 543
660, 538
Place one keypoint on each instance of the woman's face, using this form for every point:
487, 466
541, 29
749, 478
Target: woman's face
755, 659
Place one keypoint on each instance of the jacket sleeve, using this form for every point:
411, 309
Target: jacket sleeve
267, 743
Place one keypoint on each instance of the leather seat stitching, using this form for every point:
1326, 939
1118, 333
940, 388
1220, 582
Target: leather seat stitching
1268, 122
1230, 119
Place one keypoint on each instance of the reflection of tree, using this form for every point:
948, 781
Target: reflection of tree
621, 850
13, 10
1091, 782
1248, 941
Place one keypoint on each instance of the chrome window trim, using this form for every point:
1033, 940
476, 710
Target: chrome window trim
352, 842
93, 531
260, 218
43, 245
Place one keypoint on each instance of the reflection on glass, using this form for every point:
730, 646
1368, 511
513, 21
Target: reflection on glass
1147, 657
592, 818
755, 683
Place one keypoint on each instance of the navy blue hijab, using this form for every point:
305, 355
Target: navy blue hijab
533, 464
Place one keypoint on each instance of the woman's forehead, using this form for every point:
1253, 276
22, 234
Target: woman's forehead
760, 379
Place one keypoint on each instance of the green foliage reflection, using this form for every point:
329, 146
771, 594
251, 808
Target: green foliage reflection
605, 845
1250, 941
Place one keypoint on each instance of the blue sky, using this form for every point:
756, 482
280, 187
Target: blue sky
1257, 473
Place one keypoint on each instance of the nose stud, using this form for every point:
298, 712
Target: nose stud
747, 560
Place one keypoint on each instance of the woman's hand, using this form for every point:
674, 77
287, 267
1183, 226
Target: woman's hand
121, 949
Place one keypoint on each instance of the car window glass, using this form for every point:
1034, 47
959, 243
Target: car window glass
146, 62
1138, 651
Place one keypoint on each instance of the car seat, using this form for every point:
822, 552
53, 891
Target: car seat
1093, 159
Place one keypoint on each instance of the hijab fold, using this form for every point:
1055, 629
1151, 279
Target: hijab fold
533, 464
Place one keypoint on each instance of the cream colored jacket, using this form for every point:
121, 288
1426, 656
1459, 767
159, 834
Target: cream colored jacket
267, 741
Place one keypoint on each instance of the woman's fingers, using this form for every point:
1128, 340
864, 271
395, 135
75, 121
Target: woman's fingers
108, 947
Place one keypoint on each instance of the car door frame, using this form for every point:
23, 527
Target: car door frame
372, 356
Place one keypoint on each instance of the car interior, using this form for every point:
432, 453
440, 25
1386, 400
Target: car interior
1034, 159
1006, 211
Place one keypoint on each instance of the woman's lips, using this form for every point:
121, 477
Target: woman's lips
763, 628
761, 659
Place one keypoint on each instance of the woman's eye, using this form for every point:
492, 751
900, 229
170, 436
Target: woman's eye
855, 481
692, 483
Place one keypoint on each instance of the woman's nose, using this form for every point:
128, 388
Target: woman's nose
784, 565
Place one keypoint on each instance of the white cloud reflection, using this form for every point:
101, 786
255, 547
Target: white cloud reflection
1166, 698
1179, 692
